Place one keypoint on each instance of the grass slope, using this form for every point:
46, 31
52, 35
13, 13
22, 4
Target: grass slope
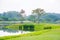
51, 35
39, 34
37, 27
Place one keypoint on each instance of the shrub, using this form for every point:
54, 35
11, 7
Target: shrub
20, 27
28, 27
47, 27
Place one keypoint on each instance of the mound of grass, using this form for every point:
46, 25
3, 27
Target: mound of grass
24, 35
36, 27
39, 33
51, 35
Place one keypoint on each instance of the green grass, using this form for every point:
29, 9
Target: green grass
39, 34
37, 27
51, 35
24, 35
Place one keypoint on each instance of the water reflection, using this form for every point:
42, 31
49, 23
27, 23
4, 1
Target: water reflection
8, 32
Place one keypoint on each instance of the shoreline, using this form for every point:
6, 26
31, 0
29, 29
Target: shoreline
2, 33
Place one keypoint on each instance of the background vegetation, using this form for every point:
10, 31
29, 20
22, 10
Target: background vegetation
42, 25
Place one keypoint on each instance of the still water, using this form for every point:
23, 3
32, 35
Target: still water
5, 33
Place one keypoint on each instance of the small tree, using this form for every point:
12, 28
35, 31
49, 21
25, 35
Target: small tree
38, 12
22, 15
22, 11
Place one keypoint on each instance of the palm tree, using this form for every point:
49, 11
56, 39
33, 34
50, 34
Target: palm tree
38, 12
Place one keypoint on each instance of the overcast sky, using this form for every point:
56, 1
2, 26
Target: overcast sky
28, 5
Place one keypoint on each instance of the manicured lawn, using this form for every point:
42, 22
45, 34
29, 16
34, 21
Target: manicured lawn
53, 34
37, 27
38, 34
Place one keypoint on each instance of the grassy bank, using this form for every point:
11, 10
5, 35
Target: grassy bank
42, 32
53, 34
36, 27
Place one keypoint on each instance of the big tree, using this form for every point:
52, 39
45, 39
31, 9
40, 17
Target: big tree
22, 12
38, 12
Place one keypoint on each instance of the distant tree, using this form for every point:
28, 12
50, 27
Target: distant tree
38, 12
32, 18
22, 11
22, 15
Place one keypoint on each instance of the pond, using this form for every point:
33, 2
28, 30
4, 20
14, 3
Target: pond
6, 33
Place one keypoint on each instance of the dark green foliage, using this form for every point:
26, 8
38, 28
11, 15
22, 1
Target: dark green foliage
1, 39
31, 27
20, 27
28, 27
47, 27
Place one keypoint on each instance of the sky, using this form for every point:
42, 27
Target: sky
52, 6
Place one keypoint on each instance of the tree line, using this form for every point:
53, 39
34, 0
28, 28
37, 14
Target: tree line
37, 15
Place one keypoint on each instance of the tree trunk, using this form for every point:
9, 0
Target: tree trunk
38, 19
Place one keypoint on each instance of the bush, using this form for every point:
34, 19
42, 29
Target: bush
28, 27
47, 27
20, 27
